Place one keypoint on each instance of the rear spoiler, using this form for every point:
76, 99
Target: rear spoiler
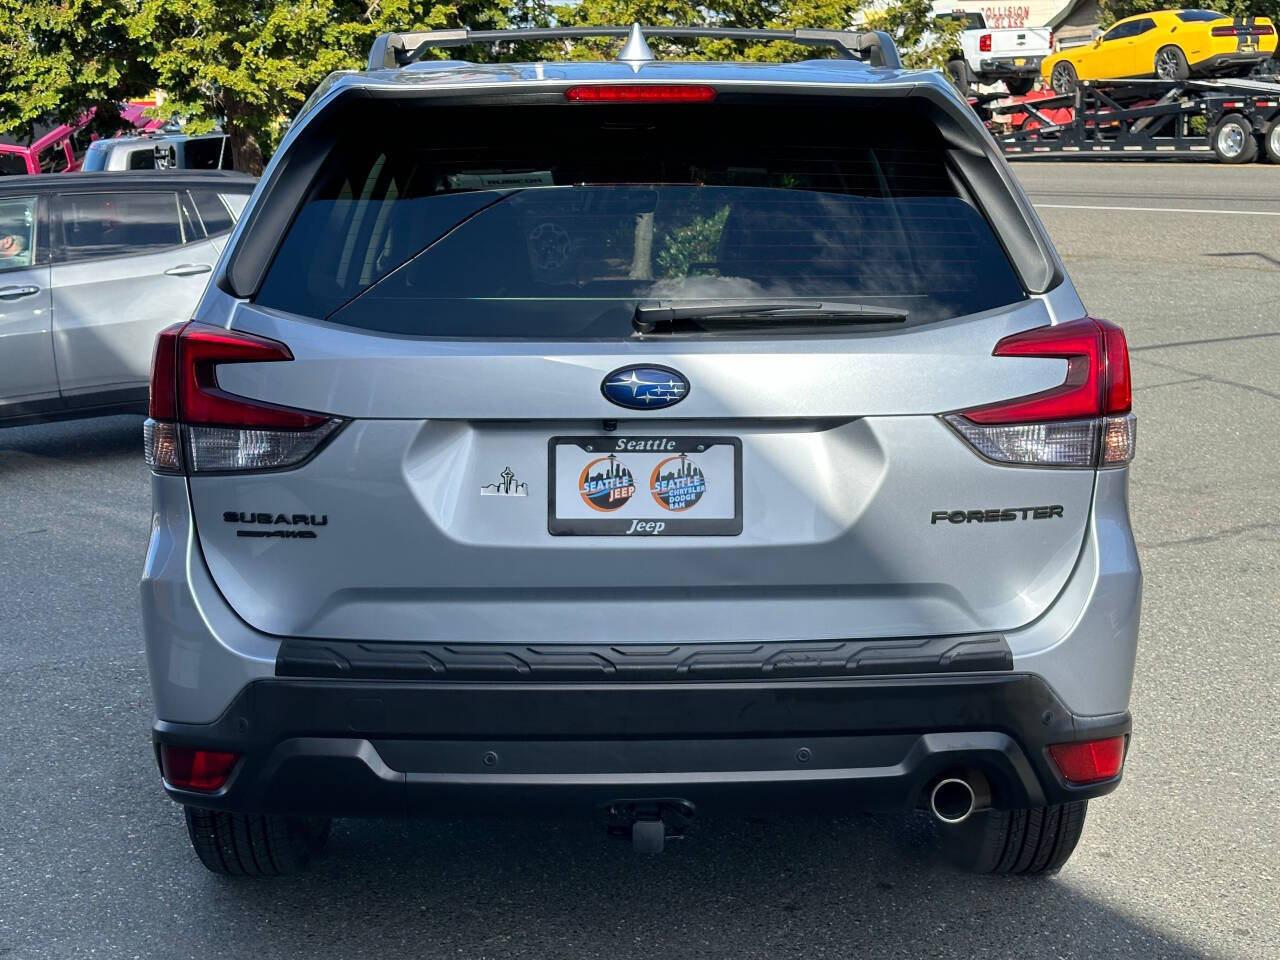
392, 50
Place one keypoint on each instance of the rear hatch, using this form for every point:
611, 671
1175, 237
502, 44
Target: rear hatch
1019, 42
659, 371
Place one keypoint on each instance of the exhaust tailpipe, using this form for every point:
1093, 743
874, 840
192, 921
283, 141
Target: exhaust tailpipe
952, 800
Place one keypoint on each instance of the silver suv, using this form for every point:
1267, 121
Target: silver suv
91, 269
636, 439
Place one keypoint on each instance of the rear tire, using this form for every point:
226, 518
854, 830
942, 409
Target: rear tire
1025, 842
1171, 64
241, 845
959, 71
1272, 142
1233, 140
1019, 86
1063, 78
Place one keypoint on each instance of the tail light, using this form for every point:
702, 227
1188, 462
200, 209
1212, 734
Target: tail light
194, 422
984, 43
1083, 422
1256, 30
1051, 46
1089, 761
640, 93
189, 768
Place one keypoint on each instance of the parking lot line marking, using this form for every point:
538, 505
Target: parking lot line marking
1225, 213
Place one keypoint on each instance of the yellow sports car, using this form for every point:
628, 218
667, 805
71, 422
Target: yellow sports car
1170, 45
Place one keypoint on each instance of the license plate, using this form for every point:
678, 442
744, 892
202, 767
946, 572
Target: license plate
1020, 61
614, 486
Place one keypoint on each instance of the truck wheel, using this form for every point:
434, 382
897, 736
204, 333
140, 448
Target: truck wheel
1019, 86
1063, 78
1171, 64
240, 845
1272, 143
1233, 140
959, 71
1026, 842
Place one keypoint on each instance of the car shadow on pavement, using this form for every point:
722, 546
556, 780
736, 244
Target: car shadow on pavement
868, 886
86, 440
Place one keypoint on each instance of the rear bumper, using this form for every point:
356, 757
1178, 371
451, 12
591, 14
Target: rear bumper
1218, 62
1010, 67
363, 748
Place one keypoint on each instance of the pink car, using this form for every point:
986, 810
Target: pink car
55, 149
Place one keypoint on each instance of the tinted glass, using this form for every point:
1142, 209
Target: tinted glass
191, 228
1200, 16
1142, 26
12, 164
204, 154
80, 140
113, 224
557, 222
18, 246
144, 158
53, 158
217, 218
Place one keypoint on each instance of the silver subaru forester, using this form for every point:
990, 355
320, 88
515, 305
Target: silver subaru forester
636, 440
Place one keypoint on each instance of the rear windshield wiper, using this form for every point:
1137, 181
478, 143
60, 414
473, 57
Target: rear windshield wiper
664, 317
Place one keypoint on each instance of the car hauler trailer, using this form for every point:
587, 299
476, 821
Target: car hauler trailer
1145, 118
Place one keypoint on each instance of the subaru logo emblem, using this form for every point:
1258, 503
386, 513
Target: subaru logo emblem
644, 388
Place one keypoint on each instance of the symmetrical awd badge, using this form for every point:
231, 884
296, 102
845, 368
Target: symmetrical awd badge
641, 387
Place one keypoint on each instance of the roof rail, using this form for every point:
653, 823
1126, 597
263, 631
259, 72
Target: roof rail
391, 50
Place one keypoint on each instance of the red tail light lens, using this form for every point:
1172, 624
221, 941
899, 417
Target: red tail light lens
189, 768
1257, 30
200, 351
984, 43
1089, 761
1067, 424
164, 374
197, 423
1097, 379
641, 93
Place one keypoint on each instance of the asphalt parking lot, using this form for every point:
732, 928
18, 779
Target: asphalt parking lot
1181, 862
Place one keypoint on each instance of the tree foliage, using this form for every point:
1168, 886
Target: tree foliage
62, 57
1112, 10
249, 64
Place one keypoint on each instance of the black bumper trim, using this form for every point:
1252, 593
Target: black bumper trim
357, 748
771, 660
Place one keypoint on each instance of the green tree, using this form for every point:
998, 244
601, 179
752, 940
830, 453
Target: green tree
63, 57
910, 22
1112, 10
250, 64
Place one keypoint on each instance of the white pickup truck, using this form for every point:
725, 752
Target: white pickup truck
990, 54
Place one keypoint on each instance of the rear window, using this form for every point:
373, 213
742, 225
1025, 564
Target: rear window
557, 221
1200, 16
213, 212
208, 153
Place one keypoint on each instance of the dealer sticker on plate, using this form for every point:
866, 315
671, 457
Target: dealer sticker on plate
645, 486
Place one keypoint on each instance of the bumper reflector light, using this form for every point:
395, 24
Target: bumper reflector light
189, 768
1090, 760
